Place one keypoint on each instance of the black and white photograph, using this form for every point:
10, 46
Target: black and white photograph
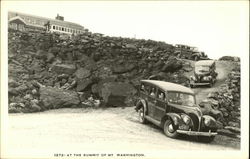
124, 79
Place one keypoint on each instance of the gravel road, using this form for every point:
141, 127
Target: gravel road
84, 130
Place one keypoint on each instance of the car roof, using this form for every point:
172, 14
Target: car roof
168, 86
205, 63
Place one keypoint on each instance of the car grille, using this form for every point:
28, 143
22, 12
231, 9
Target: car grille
195, 121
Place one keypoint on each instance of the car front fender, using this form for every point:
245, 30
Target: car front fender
176, 118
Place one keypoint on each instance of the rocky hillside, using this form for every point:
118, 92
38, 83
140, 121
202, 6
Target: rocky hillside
48, 70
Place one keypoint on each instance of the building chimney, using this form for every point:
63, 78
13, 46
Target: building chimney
58, 17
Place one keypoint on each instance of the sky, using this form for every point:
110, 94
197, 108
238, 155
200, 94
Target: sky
218, 28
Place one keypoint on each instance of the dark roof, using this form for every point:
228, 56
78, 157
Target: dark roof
167, 86
52, 21
205, 63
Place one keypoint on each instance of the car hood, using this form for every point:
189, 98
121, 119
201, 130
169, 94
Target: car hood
188, 109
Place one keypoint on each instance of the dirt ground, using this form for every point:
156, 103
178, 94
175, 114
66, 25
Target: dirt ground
110, 129
102, 129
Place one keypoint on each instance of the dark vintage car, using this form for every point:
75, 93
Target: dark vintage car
173, 107
204, 73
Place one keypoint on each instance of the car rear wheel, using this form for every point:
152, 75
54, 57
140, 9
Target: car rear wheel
169, 129
142, 118
206, 139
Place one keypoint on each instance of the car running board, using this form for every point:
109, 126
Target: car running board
156, 122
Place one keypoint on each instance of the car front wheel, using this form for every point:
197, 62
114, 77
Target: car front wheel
142, 118
211, 84
169, 129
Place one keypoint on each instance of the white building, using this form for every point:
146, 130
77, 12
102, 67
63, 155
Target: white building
21, 21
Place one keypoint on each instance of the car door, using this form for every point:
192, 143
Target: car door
160, 105
151, 101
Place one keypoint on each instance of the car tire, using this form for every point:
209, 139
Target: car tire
210, 84
141, 114
206, 139
169, 129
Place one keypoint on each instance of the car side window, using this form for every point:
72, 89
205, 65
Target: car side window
145, 88
152, 92
161, 95
142, 88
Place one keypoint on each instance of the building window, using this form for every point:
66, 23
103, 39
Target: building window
62, 28
54, 27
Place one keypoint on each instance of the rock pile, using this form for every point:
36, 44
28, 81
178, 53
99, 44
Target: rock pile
224, 104
230, 58
49, 70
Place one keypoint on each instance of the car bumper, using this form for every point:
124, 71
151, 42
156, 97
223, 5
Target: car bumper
195, 133
200, 83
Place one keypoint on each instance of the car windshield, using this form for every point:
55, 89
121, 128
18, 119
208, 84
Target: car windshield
202, 69
181, 98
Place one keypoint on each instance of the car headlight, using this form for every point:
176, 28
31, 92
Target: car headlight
192, 78
207, 77
186, 119
209, 121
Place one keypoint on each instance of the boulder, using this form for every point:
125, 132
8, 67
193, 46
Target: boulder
234, 124
131, 46
172, 65
82, 73
50, 57
14, 110
207, 109
123, 68
82, 85
226, 132
63, 68
58, 98
229, 58
12, 83
87, 62
117, 94
233, 129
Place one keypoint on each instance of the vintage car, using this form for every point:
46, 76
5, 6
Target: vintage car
204, 73
173, 107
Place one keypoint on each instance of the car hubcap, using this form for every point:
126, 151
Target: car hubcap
141, 115
171, 128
